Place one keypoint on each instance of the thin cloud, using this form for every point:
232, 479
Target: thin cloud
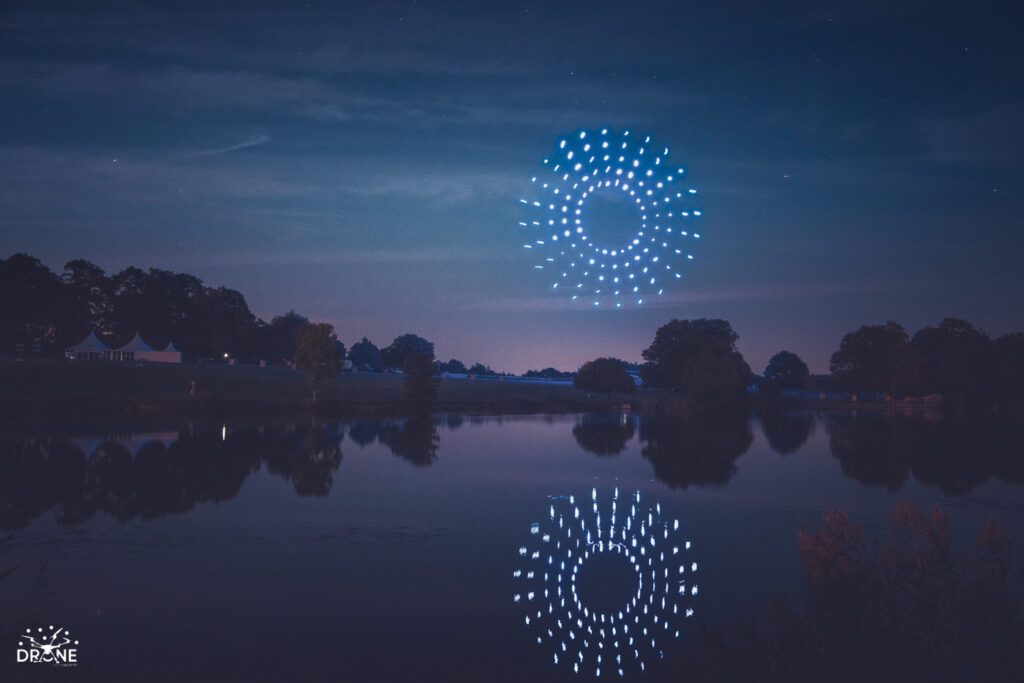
347, 257
772, 293
245, 144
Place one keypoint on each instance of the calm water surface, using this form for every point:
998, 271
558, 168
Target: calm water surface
421, 549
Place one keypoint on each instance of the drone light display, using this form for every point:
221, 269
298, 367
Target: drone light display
614, 641
558, 231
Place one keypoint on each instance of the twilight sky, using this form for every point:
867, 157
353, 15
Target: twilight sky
362, 162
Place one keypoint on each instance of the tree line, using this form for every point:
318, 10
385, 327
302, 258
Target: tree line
700, 357
963, 364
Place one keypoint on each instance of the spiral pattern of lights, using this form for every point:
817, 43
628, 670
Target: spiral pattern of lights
557, 229
620, 641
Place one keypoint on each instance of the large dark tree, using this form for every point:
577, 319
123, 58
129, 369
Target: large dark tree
395, 355
421, 378
34, 307
454, 366
89, 289
604, 375
317, 355
218, 321
128, 304
1008, 367
282, 335
877, 358
699, 357
788, 371
955, 359
165, 301
365, 354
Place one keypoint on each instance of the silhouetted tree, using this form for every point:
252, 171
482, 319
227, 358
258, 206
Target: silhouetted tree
788, 371
218, 321
128, 305
699, 357
317, 355
551, 373
33, 307
604, 375
365, 354
1008, 368
481, 369
877, 358
454, 366
165, 301
89, 288
395, 355
282, 335
421, 378
955, 360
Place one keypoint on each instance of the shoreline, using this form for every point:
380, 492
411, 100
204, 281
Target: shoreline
49, 389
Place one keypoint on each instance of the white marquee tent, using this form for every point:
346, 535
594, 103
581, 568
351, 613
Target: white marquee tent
92, 348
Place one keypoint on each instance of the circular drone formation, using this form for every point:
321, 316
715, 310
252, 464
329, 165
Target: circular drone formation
586, 267
620, 640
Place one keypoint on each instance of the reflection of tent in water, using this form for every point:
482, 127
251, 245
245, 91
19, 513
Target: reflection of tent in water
133, 442
92, 348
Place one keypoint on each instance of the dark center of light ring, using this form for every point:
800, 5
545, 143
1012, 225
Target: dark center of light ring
600, 247
606, 582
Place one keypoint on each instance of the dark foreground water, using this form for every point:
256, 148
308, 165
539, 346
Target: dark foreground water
515, 549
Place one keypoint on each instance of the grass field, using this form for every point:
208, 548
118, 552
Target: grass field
47, 386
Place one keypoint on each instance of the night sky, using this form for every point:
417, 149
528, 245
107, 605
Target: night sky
856, 163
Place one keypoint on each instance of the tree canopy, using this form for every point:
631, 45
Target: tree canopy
317, 355
454, 366
955, 358
395, 355
876, 358
365, 354
699, 357
604, 375
481, 369
788, 370
421, 378
163, 307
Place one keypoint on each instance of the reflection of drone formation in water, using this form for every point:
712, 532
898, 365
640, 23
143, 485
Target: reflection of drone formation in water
617, 640
560, 232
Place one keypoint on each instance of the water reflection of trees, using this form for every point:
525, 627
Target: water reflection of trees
911, 608
695, 449
415, 439
604, 433
787, 432
47, 473
955, 455
172, 475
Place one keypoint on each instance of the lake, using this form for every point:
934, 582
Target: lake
515, 548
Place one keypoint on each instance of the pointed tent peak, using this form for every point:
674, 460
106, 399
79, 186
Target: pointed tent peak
170, 347
136, 344
90, 343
